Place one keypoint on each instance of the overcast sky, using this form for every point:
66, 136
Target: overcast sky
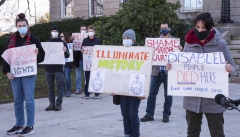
11, 6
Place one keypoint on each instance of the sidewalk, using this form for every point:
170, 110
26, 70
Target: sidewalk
100, 118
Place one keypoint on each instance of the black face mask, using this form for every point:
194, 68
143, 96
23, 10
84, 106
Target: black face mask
201, 35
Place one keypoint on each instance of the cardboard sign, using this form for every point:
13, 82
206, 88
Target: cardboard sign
87, 57
197, 74
77, 42
162, 46
54, 53
121, 70
70, 49
22, 60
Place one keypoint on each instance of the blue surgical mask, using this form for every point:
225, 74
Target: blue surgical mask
164, 31
23, 30
127, 42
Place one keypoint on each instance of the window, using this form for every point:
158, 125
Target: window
191, 5
124, 0
67, 9
96, 7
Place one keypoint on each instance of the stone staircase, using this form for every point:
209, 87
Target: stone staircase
234, 45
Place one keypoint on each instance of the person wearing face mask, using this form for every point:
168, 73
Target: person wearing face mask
67, 68
55, 72
130, 105
78, 61
91, 40
23, 87
159, 76
204, 38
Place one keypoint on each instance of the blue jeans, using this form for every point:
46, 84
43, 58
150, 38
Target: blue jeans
23, 88
79, 71
50, 76
129, 108
156, 81
67, 71
87, 78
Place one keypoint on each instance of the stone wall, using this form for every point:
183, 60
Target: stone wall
55, 10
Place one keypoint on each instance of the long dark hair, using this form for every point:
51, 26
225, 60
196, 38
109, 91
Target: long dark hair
21, 17
67, 37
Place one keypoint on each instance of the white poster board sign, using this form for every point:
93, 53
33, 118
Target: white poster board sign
161, 47
78, 38
87, 57
70, 49
121, 70
22, 60
197, 74
54, 53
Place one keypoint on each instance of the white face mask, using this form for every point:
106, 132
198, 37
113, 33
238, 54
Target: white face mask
91, 34
54, 34
83, 31
127, 42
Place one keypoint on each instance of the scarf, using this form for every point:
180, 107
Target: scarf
13, 39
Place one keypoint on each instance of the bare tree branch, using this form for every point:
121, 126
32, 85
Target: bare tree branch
1, 2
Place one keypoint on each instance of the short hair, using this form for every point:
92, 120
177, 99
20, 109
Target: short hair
21, 17
165, 23
83, 26
91, 27
206, 18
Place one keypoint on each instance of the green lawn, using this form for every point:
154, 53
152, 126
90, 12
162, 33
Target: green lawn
6, 94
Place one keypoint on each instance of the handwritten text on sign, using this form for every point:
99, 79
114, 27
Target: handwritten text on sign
162, 46
77, 42
129, 67
22, 60
70, 49
54, 53
87, 57
197, 74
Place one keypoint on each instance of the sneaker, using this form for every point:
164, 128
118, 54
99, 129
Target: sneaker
26, 131
96, 97
50, 107
68, 94
86, 96
15, 130
165, 119
58, 107
78, 92
146, 118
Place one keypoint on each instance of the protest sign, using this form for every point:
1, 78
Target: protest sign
197, 74
54, 53
70, 49
121, 70
162, 46
22, 60
78, 38
87, 57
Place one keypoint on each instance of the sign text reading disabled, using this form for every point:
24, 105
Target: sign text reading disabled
162, 46
197, 74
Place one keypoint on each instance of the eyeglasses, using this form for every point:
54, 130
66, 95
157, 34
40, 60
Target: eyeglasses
61, 36
19, 26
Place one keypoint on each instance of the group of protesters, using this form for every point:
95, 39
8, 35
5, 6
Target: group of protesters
203, 38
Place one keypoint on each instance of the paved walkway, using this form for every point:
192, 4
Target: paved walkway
100, 118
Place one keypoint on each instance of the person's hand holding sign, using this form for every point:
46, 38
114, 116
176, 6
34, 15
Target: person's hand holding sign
36, 51
64, 49
228, 67
180, 48
168, 66
10, 76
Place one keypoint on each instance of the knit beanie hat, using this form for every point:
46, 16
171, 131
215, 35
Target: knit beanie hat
55, 27
130, 34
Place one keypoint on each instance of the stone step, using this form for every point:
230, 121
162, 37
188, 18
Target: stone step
235, 37
235, 51
236, 56
237, 61
235, 42
234, 80
237, 47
